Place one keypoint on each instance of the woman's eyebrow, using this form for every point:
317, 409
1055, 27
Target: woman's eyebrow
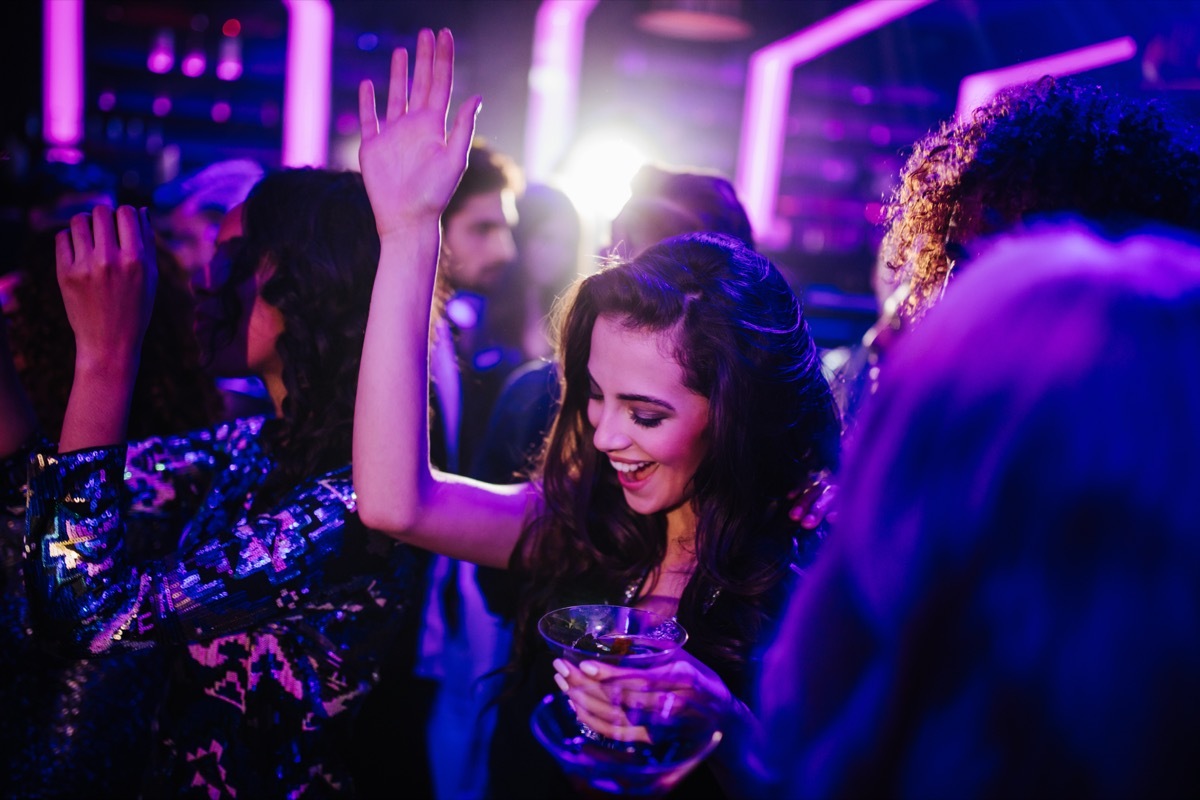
642, 398
633, 398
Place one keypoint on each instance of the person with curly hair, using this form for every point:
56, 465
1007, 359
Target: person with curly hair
274, 601
1046, 148
692, 403
1039, 150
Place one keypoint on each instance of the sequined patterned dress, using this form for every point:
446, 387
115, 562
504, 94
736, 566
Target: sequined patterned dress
278, 618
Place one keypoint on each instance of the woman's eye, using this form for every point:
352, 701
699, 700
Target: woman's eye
646, 422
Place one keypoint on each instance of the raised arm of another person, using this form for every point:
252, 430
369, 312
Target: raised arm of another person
107, 273
411, 168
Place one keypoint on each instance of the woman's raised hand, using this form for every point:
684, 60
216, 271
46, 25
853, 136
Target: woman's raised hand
409, 163
108, 275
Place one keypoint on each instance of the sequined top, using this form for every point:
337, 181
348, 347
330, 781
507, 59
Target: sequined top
280, 617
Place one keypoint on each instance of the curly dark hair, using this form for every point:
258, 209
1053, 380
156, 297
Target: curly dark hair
172, 393
1042, 149
315, 230
742, 342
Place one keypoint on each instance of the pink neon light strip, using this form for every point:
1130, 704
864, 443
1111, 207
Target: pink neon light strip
977, 89
554, 83
768, 92
62, 84
306, 83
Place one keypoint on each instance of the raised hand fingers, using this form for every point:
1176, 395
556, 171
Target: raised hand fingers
81, 235
463, 131
104, 235
443, 71
368, 121
422, 70
398, 85
129, 232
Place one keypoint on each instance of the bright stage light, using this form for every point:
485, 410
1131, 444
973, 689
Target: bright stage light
597, 174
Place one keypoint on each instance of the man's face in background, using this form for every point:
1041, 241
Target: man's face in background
479, 242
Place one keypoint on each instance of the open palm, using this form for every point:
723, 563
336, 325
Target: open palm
409, 164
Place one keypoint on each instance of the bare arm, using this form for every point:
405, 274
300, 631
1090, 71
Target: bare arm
411, 168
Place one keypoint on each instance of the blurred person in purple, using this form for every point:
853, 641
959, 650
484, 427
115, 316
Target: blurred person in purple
1009, 604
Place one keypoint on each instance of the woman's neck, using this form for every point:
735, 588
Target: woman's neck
665, 586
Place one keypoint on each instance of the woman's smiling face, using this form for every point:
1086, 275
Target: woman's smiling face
652, 428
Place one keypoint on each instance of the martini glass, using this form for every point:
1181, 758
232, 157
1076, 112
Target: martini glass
618, 635
603, 768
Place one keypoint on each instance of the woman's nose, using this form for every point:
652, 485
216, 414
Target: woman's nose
610, 436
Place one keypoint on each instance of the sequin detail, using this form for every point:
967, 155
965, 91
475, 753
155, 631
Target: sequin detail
279, 618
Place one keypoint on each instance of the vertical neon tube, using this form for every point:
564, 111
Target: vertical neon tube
306, 84
62, 79
554, 83
977, 89
768, 93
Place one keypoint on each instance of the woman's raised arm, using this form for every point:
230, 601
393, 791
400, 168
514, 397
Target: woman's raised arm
411, 168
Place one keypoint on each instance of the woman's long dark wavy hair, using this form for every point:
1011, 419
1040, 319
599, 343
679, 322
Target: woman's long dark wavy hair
743, 344
315, 231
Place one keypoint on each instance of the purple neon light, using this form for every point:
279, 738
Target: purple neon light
306, 84
977, 89
554, 83
768, 91
194, 64
62, 83
229, 62
162, 53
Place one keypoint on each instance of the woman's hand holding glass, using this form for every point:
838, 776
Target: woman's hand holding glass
683, 697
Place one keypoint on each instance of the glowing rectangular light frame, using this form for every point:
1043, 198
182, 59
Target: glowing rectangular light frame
768, 93
62, 79
554, 83
306, 84
977, 89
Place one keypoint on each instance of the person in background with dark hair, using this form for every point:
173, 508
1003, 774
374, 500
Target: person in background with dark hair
1009, 604
667, 201
274, 601
187, 216
188, 210
693, 402
549, 241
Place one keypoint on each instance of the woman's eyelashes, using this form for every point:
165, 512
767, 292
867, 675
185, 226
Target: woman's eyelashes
645, 421
640, 418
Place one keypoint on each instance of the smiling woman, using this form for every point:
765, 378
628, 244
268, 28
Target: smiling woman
692, 403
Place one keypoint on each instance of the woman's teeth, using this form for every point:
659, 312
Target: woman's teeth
629, 469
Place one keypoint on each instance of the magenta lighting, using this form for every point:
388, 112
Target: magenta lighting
229, 59
306, 83
768, 91
162, 52
553, 83
62, 81
194, 63
977, 89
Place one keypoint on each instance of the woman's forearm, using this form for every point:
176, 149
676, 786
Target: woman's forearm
97, 412
391, 421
